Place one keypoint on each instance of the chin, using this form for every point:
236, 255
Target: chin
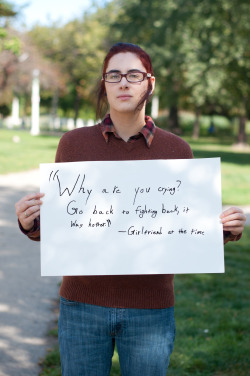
125, 107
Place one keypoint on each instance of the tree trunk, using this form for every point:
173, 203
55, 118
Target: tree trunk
242, 136
196, 128
174, 124
76, 108
54, 107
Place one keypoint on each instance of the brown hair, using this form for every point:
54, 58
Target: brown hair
117, 48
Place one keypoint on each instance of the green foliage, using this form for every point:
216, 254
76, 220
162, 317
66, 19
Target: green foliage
224, 128
6, 42
51, 364
10, 44
199, 49
6, 9
79, 49
4, 110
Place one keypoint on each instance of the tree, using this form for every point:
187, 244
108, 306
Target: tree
6, 42
9, 49
199, 48
31, 59
216, 70
79, 48
16, 70
157, 27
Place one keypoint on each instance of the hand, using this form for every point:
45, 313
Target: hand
233, 220
28, 208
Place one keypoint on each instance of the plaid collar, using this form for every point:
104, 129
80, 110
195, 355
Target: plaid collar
147, 131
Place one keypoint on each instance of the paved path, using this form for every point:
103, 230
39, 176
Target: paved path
26, 298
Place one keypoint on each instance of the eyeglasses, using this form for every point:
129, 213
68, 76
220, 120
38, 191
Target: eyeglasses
114, 77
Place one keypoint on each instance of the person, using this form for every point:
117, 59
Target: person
135, 312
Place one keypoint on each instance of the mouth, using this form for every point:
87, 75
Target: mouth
124, 97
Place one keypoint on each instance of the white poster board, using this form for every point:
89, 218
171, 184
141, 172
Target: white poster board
131, 217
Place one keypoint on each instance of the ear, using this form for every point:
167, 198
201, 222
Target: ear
153, 84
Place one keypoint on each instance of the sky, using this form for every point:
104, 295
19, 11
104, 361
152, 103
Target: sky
46, 11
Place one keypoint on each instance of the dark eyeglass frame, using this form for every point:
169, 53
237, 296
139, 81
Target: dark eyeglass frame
145, 75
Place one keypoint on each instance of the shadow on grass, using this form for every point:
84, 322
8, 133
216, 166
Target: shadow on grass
227, 157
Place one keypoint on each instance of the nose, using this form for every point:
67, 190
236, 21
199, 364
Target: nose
124, 82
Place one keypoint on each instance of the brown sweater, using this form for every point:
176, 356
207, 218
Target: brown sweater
132, 291
136, 291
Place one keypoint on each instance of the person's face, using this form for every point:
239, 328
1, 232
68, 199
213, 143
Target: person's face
124, 96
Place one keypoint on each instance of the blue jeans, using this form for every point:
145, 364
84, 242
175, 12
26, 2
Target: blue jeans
88, 333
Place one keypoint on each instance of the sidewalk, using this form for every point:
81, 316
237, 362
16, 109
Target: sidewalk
26, 298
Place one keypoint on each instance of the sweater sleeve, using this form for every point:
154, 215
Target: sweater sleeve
228, 237
34, 233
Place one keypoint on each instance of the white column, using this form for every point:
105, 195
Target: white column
15, 112
155, 107
35, 102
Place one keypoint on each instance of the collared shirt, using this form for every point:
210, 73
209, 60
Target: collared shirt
147, 131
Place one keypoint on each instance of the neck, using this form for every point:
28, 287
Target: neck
127, 124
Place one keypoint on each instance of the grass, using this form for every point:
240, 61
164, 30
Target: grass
235, 168
212, 319
20, 151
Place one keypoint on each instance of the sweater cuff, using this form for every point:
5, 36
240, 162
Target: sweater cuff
34, 232
229, 237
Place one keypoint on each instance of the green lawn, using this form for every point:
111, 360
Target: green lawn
212, 321
30, 151
213, 318
235, 168
20, 151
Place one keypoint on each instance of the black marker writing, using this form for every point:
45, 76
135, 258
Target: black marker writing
132, 230
71, 190
140, 190
163, 190
84, 190
73, 210
116, 189
197, 232
110, 211
141, 211
106, 223
61, 192
170, 211
179, 184
76, 224
181, 231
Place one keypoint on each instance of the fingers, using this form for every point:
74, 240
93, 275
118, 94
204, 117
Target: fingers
28, 202
233, 220
28, 208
